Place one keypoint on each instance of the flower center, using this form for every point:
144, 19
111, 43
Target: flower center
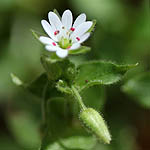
65, 43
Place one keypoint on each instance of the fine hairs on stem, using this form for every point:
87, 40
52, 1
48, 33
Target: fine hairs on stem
78, 97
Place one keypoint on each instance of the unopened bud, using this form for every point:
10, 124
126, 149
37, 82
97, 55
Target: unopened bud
96, 124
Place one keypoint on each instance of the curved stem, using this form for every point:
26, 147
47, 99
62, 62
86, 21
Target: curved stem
78, 97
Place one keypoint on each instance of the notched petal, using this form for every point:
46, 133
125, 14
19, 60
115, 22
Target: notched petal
62, 53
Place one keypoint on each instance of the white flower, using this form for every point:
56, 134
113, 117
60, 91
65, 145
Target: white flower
63, 35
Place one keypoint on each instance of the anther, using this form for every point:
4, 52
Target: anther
72, 29
78, 38
56, 32
54, 44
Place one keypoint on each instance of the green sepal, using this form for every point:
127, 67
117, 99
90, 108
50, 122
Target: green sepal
99, 73
36, 34
57, 13
93, 26
81, 50
58, 69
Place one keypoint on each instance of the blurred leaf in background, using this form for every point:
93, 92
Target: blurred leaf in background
122, 34
139, 88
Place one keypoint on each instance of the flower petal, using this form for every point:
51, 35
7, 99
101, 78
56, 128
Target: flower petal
54, 21
46, 40
81, 29
61, 53
84, 37
79, 20
67, 19
75, 46
51, 48
48, 29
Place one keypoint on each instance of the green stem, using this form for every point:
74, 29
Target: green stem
78, 97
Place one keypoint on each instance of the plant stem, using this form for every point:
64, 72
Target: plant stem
78, 97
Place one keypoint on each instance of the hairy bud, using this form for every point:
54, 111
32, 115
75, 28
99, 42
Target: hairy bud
96, 124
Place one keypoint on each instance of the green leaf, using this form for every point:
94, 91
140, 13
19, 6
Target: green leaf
93, 26
73, 143
40, 87
139, 88
81, 50
99, 72
36, 87
58, 69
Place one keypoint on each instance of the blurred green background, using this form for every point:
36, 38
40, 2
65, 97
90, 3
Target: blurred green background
122, 35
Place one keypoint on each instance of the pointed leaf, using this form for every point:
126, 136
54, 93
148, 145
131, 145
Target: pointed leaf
93, 26
99, 72
35, 87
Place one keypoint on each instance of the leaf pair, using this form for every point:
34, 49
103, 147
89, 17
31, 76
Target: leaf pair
62, 74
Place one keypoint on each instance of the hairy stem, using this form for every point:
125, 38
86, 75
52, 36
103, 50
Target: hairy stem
78, 97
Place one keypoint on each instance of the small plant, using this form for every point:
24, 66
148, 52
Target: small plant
63, 82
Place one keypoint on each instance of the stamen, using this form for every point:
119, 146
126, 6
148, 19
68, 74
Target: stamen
54, 44
72, 29
56, 32
78, 38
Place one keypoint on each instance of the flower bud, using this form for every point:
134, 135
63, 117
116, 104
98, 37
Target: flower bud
96, 124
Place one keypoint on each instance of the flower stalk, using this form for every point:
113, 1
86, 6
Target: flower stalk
78, 98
